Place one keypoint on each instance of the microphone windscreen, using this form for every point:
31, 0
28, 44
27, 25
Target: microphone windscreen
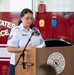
31, 26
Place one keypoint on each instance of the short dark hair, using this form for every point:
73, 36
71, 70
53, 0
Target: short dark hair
23, 12
47, 69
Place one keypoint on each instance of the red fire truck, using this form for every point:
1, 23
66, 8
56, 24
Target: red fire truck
55, 20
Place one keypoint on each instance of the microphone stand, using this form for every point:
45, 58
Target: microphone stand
22, 54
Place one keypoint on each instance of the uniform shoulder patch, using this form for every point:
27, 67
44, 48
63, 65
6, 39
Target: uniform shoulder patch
10, 37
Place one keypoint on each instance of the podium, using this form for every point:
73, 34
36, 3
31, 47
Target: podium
37, 56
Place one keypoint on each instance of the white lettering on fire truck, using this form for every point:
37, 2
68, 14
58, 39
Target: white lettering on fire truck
4, 33
6, 24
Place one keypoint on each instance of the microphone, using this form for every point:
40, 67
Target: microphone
35, 29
